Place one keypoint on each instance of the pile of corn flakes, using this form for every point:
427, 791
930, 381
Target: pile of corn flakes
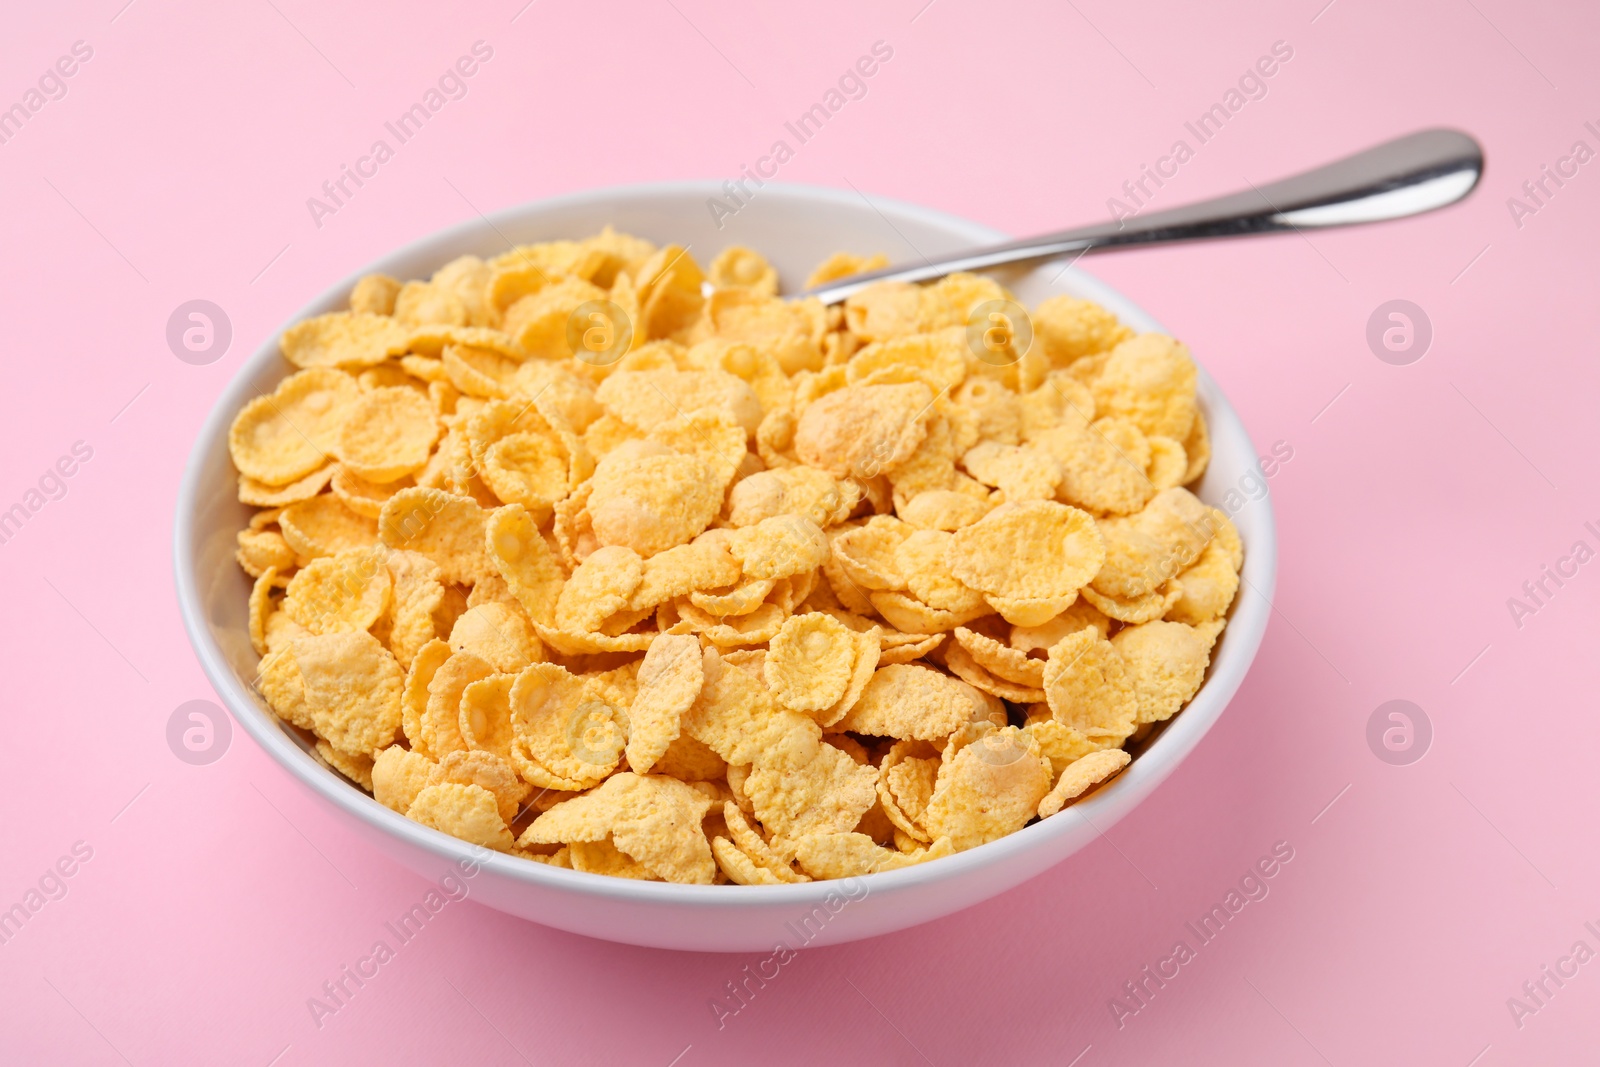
593, 557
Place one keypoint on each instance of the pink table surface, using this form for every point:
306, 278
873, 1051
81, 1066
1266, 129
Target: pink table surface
217, 899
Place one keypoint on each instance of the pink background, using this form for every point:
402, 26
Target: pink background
222, 896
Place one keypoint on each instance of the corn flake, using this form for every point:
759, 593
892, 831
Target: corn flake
1080, 776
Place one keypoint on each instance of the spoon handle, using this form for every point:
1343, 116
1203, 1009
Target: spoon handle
1407, 176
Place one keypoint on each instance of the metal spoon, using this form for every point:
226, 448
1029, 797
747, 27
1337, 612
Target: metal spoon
1407, 176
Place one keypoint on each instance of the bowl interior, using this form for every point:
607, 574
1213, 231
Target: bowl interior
795, 227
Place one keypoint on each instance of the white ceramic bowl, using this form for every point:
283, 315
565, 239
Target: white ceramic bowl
795, 227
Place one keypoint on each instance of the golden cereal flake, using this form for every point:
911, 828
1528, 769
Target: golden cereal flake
260, 550
799, 790
909, 701
688, 760
1168, 661
484, 720
733, 631
361, 496
778, 547
1062, 745
387, 434
1080, 776
906, 779
565, 724
346, 592
1091, 687
1038, 638
599, 588
1001, 659
911, 615
963, 666
991, 788
739, 599
1102, 465
942, 509
685, 570
1134, 610
262, 495
651, 502
603, 857
538, 322
923, 559
424, 304
352, 690
884, 310
788, 330
654, 819
909, 652
645, 399
344, 339
842, 265
1145, 550
417, 597
848, 855
357, 768
322, 526
862, 431
1169, 464
774, 856
1208, 586
1062, 402
279, 682
1197, 447
517, 550
262, 607
670, 678
440, 727
1149, 379
809, 664
800, 490
736, 267
739, 867
414, 697
866, 554
1036, 549
398, 775
1070, 329
1019, 471
736, 717
669, 289
291, 432
938, 359
498, 635
487, 770
374, 294
448, 529
469, 812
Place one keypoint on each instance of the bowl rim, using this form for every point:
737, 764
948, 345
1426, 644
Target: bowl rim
1179, 737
